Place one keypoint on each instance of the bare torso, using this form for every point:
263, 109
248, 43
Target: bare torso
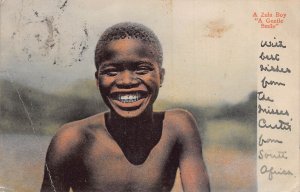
106, 168
87, 156
103, 166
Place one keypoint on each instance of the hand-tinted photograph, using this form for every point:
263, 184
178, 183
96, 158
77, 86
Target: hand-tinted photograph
127, 96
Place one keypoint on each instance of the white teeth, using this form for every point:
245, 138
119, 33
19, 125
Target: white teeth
129, 98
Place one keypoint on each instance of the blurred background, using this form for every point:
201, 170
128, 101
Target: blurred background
30, 117
47, 78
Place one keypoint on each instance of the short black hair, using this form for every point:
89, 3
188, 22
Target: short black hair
128, 30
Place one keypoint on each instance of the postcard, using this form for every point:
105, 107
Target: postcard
163, 95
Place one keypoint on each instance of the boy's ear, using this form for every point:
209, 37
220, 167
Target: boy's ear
162, 75
97, 80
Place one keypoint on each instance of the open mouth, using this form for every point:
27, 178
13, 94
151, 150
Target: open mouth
129, 103
129, 97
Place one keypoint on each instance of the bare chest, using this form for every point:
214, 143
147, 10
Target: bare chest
108, 168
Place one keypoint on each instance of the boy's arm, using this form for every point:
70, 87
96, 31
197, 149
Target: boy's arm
60, 156
54, 180
193, 173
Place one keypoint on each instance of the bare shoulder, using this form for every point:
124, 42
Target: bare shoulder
182, 121
178, 112
180, 118
71, 137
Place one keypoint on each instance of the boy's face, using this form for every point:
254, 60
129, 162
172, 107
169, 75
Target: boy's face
129, 76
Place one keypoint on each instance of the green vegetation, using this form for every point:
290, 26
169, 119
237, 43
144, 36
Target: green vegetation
28, 110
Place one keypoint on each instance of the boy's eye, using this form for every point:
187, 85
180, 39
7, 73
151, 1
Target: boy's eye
143, 70
109, 72
112, 73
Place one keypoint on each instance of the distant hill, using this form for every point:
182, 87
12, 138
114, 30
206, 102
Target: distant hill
244, 111
28, 110
23, 108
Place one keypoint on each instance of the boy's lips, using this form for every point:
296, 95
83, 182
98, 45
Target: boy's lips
129, 100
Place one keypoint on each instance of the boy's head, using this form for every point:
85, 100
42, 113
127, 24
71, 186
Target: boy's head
128, 59
128, 30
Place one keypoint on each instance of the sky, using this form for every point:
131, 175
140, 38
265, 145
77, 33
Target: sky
207, 46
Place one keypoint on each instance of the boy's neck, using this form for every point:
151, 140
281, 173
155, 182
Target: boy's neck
145, 120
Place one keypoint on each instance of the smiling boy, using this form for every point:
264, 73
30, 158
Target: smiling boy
131, 147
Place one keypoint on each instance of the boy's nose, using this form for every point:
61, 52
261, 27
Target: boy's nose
127, 79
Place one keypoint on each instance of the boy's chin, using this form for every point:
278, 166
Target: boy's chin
128, 114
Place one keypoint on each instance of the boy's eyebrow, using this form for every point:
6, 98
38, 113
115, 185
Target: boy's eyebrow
107, 64
115, 64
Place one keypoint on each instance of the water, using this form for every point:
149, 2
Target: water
22, 161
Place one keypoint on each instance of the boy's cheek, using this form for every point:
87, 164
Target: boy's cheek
153, 76
104, 81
